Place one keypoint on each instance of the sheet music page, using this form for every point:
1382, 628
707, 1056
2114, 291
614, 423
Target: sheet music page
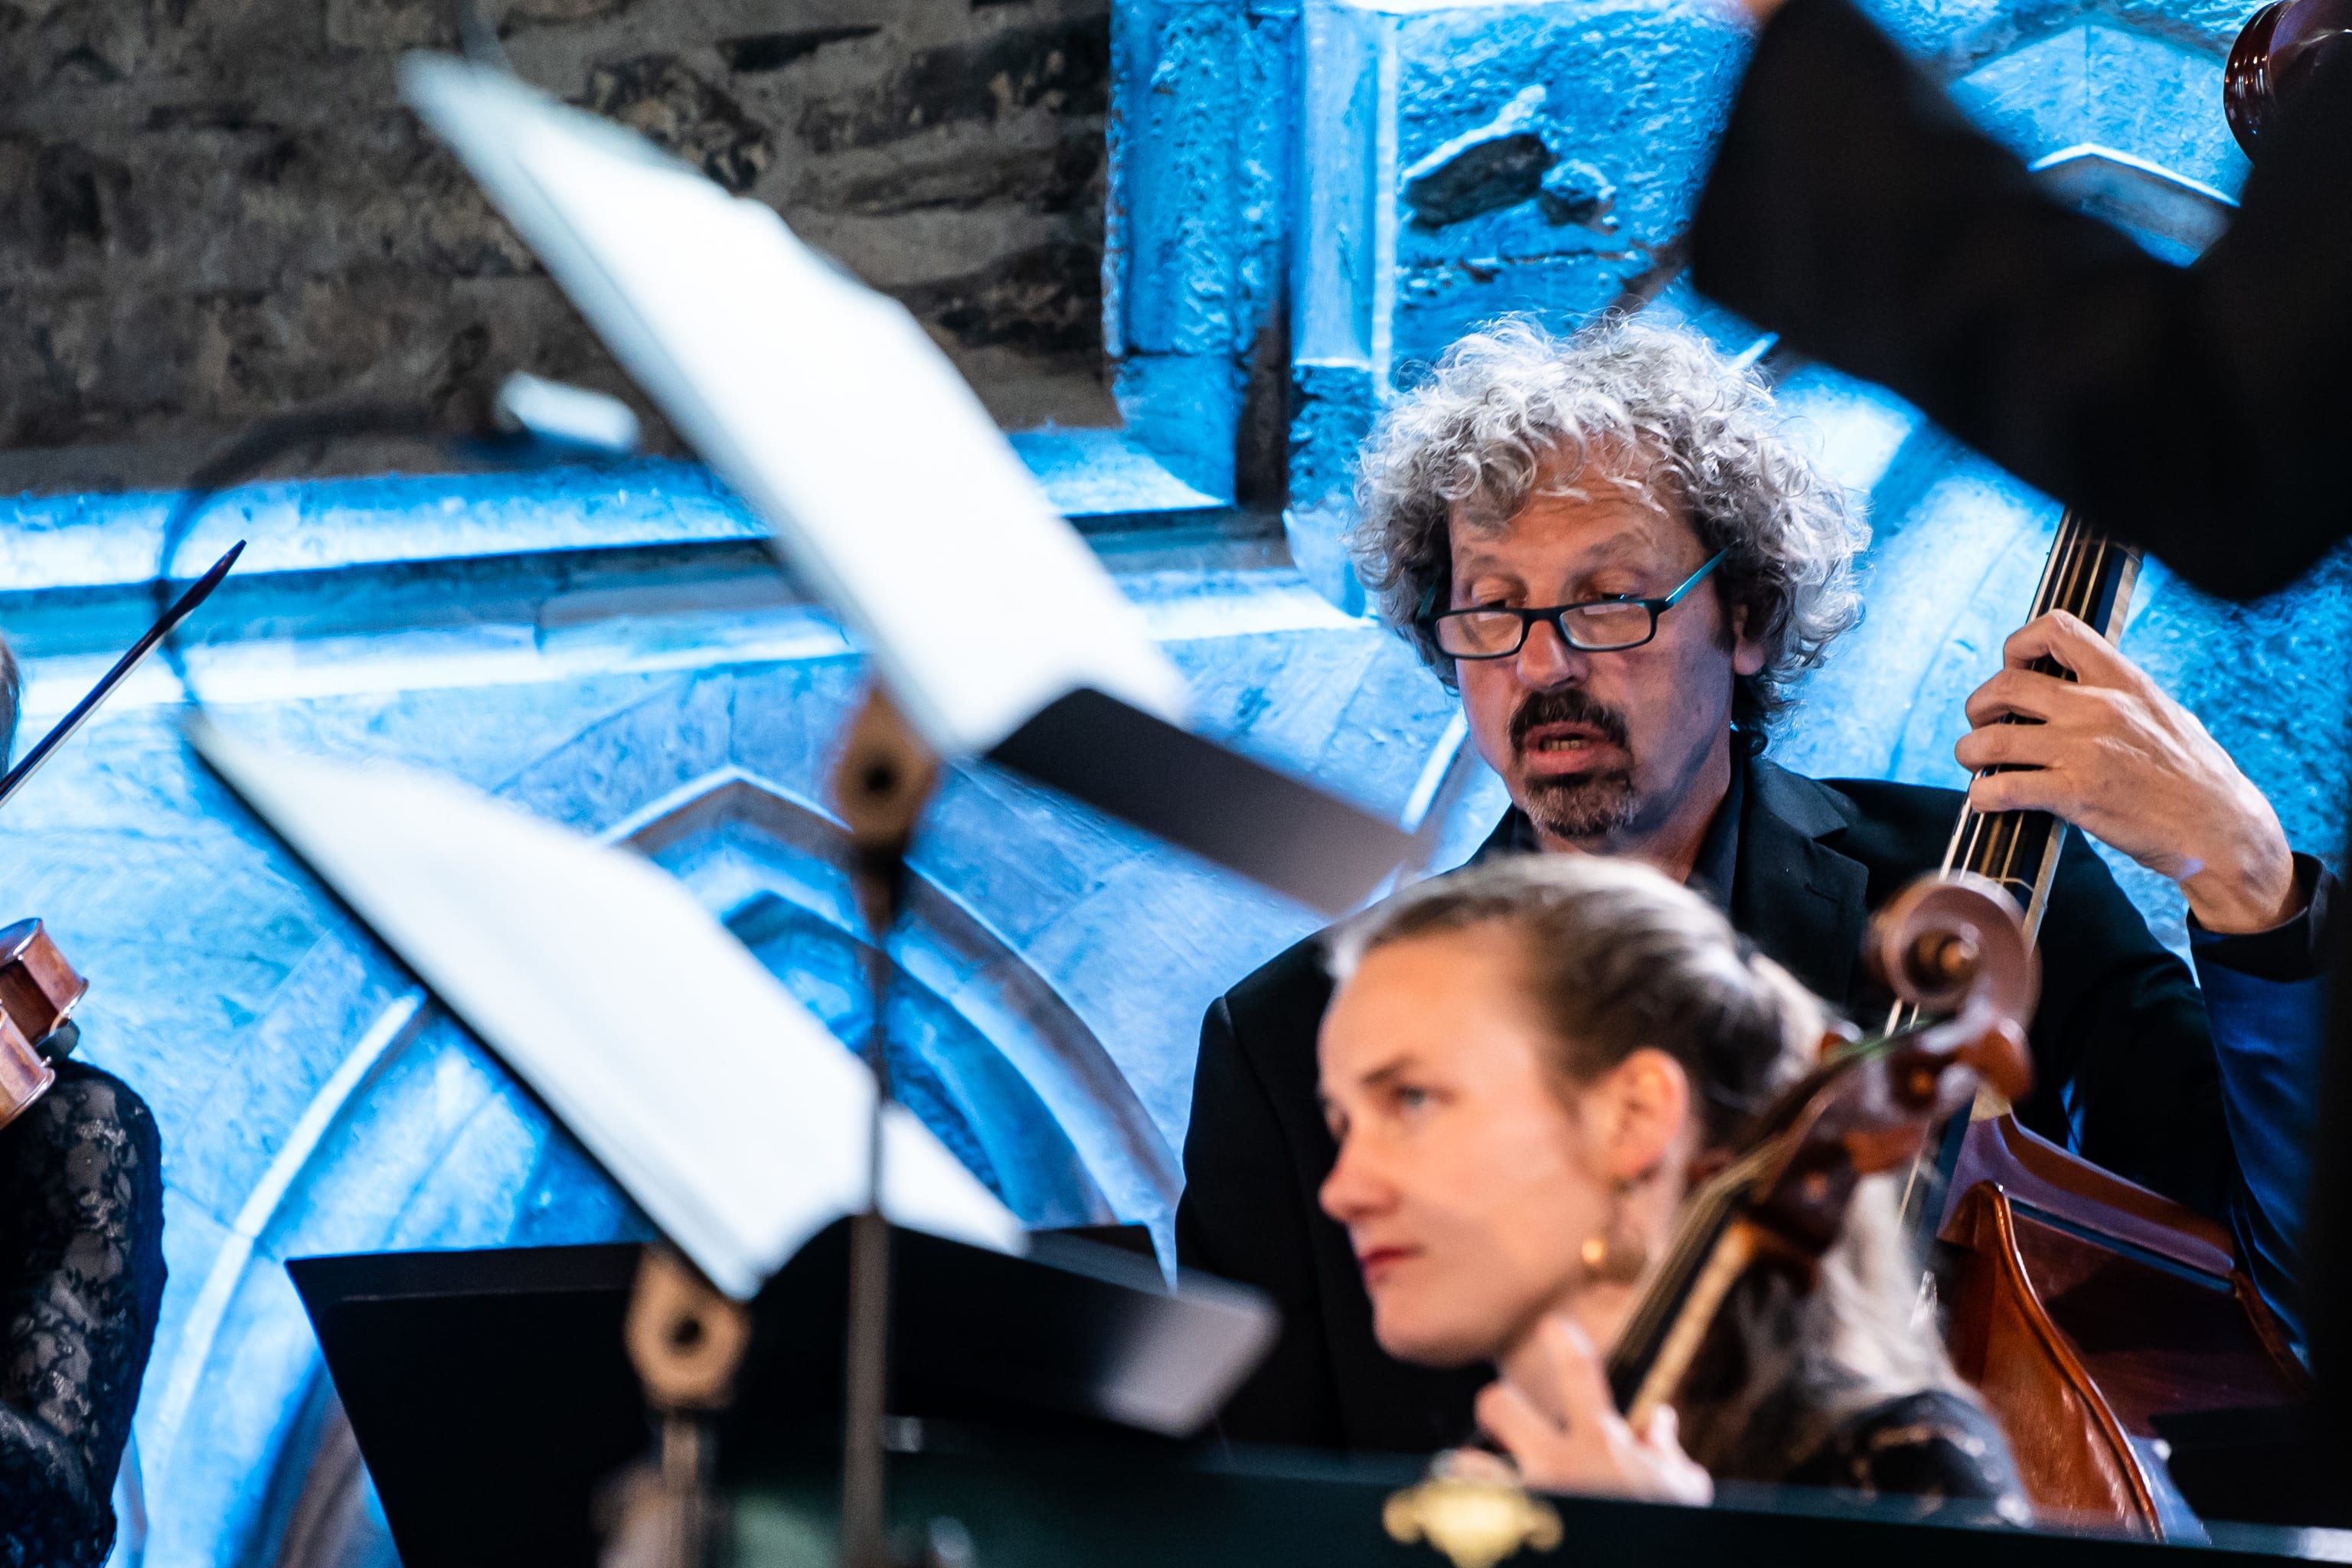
826, 406
720, 1103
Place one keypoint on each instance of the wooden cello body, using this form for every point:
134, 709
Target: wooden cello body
2085, 1309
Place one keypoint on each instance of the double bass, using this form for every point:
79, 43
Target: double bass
2086, 1311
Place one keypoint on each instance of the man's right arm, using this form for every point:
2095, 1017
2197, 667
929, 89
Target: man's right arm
1854, 209
1239, 1219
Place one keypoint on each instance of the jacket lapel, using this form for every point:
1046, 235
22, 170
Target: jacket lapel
1799, 901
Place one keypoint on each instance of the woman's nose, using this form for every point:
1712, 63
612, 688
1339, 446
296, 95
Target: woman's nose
1353, 1189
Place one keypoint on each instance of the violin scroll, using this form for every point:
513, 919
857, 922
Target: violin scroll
38, 992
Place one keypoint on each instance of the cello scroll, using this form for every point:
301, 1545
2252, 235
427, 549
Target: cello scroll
1954, 948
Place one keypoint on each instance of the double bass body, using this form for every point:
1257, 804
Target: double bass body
2087, 1312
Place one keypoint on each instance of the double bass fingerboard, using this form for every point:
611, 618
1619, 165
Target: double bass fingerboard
2091, 576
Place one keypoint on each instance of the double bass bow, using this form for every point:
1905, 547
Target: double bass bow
39, 988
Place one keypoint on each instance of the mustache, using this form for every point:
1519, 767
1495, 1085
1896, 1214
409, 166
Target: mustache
1567, 705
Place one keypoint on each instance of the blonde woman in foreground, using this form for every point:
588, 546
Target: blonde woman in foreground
1522, 1065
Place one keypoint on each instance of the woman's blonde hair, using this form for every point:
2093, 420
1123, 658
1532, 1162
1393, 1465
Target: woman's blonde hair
1618, 958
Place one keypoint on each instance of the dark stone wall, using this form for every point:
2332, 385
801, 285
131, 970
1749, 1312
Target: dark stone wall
213, 210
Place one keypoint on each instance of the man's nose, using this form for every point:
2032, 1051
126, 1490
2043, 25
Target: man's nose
1545, 659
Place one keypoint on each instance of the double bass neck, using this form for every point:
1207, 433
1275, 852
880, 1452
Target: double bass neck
2091, 576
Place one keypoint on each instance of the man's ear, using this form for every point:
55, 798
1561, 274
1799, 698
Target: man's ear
1645, 1103
1746, 653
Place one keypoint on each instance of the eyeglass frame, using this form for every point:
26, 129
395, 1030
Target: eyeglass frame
1555, 615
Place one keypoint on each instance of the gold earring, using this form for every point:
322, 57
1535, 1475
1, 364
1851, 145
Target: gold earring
1608, 1257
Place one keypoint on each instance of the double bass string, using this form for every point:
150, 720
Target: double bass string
2064, 593
1989, 843
1969, 848
2072, 582
2056, 571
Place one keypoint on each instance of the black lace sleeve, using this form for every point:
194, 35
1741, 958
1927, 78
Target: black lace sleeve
82, 1280
1934, 1447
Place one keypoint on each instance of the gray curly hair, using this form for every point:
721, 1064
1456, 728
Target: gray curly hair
1504, 406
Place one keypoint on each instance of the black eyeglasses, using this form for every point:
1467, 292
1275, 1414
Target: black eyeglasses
1596, 626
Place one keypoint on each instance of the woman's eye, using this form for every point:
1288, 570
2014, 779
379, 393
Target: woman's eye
1409, 1098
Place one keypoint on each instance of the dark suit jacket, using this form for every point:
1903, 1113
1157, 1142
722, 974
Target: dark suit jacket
2200, 412
2121, 1037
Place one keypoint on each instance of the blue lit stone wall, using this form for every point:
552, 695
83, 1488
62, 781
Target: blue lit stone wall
617, 652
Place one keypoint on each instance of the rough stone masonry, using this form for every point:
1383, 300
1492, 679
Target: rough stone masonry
214, 210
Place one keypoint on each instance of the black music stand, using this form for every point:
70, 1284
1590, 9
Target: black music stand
492, 1397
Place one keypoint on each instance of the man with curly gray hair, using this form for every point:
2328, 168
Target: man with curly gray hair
1605, 544
1635, 468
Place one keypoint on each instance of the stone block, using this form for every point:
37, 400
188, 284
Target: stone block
1063, 66
1469, 159
1465, 161
754, 54
225, 210
1045, 301
663, 100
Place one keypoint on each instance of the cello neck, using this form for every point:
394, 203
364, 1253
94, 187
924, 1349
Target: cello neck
2091, 576
1639, 1362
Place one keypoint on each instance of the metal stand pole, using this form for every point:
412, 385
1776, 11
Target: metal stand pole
686, 1341
880, 783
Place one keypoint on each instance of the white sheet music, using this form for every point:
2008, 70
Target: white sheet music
825, 404
713, 1097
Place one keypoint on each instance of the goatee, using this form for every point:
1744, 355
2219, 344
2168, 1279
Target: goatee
1576, 806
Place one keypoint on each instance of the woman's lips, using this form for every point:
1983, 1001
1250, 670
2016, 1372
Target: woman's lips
1378, 1262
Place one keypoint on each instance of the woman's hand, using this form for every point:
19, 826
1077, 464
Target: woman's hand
1590, 1448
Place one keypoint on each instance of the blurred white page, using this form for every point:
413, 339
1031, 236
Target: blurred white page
827, 407
721, 1105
